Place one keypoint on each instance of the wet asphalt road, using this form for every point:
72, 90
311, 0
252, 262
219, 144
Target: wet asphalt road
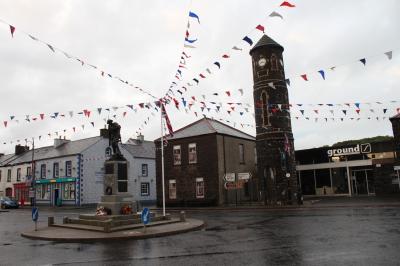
331, 236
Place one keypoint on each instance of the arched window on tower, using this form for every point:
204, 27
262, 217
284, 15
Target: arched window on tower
265, 111
274, 63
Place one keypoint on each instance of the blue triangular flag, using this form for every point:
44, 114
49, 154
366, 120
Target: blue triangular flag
287, 82
184, 102
190, 41
363, 61
197, 81
217, 64
322, 73
193, 15
248, 40
357, 105
302, 112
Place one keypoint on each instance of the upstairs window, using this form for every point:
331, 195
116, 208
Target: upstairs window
29, 171
68, 168
177, 154
43, 171
199, 188
56, 170
192, 153
9, 175
241, 153
144, 170
18, 174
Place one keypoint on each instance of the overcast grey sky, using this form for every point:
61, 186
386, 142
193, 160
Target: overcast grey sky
142, 41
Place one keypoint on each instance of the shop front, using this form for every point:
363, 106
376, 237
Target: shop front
21, 193
56, 191
349, 170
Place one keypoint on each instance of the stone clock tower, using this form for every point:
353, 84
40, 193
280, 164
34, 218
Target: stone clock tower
276, 166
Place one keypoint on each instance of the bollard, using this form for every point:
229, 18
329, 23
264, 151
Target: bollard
182, 216
50, 221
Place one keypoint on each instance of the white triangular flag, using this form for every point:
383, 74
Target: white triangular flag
275, 14
389, 54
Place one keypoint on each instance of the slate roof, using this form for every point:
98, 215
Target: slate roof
206, 126
6, 158
265, 41
145, 149
66, 149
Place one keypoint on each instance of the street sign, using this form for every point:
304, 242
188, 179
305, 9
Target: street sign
35, 214
230, 185
145, 216
244, 176
229, 177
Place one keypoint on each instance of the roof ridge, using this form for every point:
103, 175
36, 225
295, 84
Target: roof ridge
237, 130
209, 124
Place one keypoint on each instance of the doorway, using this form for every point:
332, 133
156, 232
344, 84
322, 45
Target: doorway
56, 196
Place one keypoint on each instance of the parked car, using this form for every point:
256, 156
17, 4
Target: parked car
7, 203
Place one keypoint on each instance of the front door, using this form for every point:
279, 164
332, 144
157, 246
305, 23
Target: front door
361, 182
56, 196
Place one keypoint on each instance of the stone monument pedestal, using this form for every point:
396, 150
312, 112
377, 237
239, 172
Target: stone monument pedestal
116, 194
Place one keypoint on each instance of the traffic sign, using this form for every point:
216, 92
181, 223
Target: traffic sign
145, 216
35, 214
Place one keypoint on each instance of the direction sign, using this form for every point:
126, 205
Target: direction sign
145, 216
35, 214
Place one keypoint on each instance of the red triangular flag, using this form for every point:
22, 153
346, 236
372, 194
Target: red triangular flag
358, 111
12, 29
260, 28
228, 93
225, 56
5, 123
304, 76
41, 116
124, 114
202, 76
285, 3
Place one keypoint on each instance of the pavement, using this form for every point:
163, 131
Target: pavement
63, 234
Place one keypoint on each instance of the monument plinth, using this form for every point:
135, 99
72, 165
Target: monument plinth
116, 195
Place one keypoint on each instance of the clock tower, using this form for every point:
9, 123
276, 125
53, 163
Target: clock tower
276, 165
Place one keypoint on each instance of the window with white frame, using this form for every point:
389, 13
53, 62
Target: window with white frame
56, 170
192, 153
172, 189
177, 154
68, 168
42, 171
145, 189
18, 174
144, 169
199, 188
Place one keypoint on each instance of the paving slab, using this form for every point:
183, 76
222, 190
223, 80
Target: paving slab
60, 234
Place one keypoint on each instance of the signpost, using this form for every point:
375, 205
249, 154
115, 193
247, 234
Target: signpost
35, 216
145, 217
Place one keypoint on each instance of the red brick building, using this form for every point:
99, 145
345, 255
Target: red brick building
207, 163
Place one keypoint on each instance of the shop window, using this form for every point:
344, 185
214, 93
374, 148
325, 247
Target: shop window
145, 189
18, 174
43, 192
144, 170
241, 153
177, 154
199, 188
192, 153
9, 175
68, 168
56, 170
69, 191
172, 189
43, 171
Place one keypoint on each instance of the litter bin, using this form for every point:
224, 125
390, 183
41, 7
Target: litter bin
59, 202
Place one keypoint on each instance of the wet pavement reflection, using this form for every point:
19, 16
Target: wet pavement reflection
331, 236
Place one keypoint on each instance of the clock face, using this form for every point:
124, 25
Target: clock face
262, 62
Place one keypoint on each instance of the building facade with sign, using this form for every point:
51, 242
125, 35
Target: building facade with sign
207, 163
359, 169
71, 172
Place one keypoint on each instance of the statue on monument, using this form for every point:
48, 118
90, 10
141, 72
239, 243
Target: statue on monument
114, 137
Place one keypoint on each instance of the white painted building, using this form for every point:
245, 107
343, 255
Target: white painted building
71, 172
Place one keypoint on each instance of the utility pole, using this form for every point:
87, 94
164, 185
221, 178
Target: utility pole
162, 163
